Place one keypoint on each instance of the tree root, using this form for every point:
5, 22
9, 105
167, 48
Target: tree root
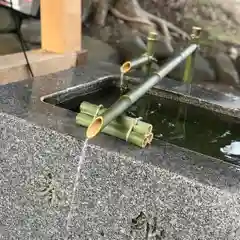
164, 28
139, 19
124, 17
102, 7
151, 25
169, 26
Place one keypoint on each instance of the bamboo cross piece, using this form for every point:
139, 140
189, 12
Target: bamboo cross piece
132, 130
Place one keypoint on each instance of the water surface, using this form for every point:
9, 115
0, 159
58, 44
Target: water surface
183, 125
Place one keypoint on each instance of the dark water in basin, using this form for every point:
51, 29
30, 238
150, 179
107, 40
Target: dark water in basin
184, 125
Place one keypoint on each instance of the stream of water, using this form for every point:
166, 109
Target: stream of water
121, 79
121, 83
76, 183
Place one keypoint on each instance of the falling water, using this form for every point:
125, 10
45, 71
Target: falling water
121, 82
121, 79
76, 182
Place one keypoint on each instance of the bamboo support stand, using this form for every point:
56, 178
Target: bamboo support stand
129, 129
190, 61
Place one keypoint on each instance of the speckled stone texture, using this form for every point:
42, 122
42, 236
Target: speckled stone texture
37, 173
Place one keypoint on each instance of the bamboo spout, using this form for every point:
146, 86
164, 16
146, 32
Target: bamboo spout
146, 59
95, 127
135, 63
196, 33
124, 102
110, 114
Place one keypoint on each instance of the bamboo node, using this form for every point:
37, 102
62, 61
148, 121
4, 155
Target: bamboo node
134, 123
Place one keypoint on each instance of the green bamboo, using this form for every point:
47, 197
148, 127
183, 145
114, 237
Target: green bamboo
91, 109
152, 37
135, 63
127, 100
190, 61
141, 127
116, 130
187, 77
145, 60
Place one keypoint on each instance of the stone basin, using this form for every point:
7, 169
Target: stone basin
215, 101
162, 112
182, 194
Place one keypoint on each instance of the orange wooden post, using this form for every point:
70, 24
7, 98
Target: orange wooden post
61, 25
61, 43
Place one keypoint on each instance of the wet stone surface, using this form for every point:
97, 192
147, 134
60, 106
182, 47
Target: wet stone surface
118, 197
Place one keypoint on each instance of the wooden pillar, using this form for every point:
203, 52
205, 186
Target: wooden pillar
61, 43
61, 25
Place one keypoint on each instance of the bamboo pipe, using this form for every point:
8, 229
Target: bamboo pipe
146, 59
127, 66
152, 38
132, 96
190, 61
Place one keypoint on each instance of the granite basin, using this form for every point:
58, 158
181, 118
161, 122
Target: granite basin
186, 195
198, 127
82, 90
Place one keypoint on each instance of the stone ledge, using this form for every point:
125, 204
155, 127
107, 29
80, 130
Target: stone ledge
13, 67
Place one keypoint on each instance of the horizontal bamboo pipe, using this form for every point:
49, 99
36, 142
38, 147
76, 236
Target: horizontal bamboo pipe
138, 62
132, 96
146, 59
